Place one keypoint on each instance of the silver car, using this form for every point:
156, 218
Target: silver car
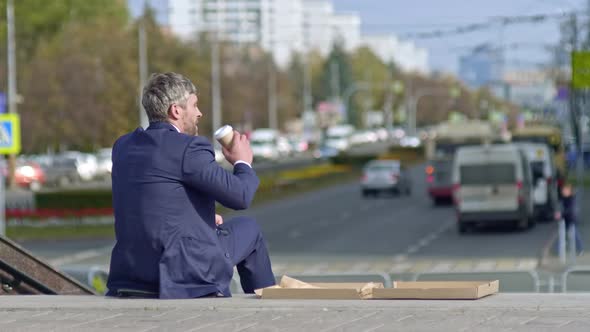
385, 176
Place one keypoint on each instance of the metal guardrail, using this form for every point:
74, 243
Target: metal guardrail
538, 283
573, 270
346, 277
531, 276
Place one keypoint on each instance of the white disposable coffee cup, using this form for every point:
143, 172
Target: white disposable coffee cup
224, 135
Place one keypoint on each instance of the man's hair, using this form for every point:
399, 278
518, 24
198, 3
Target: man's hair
161, 91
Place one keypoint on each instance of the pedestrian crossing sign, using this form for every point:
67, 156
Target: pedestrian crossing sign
9, 134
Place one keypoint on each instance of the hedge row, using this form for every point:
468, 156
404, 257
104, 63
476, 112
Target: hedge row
82, 199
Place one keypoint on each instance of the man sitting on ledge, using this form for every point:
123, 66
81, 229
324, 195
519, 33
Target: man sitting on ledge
170, 243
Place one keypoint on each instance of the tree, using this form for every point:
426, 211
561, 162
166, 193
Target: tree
80, 88
336, 77
368, 68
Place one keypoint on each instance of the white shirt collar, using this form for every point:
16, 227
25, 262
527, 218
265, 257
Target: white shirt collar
178, 130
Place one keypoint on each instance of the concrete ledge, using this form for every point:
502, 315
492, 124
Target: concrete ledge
517, 301
497, 312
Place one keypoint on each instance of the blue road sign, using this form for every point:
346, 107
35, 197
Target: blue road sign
9, 134
2, 102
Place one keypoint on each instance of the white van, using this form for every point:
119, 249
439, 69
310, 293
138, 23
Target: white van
545, 197
492, 183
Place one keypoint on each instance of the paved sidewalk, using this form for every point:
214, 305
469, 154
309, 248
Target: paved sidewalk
502, 312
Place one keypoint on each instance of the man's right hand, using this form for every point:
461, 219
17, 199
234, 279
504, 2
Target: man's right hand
239, 150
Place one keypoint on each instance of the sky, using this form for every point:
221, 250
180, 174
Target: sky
524, 41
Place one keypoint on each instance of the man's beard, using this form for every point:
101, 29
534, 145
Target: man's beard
192, 131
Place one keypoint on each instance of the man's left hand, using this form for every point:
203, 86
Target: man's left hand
218, 220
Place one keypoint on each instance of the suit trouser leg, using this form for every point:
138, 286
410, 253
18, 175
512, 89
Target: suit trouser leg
243, 241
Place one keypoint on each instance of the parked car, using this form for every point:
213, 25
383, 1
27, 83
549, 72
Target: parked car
104, 163
62, 171
86, 164
492, 183
27, 174
385, 176
264, 143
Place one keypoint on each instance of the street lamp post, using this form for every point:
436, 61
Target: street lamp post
143, 66
351, 90
396, 86
415, 99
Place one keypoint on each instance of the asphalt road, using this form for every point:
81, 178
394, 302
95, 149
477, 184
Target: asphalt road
339, 222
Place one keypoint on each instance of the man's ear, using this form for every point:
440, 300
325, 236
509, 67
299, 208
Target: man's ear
174, 112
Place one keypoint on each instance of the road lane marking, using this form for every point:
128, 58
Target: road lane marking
464, 265
399, 258
360, 267
442, 267
317, 268
527, 264
401, 267
80, 256
424, 241
485, 265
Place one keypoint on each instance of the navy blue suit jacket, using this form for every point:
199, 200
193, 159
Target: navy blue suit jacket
165, 185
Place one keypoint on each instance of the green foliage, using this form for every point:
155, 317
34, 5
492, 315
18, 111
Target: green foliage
60, 232
367, 67
37, 20
74, 199
336, 76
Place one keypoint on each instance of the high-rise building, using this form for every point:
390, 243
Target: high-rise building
346, 28
275, 25
317, 27
404, 54
322, 27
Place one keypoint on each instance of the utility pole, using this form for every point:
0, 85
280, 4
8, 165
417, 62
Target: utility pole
272, 94
576, 115
12, 95
216, 75
143, 66
335, 80
307, 102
